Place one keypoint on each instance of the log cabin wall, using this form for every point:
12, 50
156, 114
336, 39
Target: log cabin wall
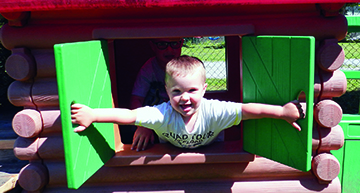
32, 32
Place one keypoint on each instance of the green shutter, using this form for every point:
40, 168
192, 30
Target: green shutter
275, 70
83, 77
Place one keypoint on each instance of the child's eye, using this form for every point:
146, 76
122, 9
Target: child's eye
176, 91
193, 90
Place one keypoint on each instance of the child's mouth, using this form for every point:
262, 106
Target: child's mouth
186, 107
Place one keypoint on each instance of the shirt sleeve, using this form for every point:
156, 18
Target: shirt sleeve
224, 114
153, 117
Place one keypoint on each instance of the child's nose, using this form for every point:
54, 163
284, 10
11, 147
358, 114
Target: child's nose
185, 96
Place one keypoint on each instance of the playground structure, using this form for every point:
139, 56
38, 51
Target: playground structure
297, 38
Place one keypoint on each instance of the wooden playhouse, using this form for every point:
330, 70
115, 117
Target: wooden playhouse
90, 51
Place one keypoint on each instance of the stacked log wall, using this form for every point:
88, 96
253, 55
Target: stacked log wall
32, 65
329, 82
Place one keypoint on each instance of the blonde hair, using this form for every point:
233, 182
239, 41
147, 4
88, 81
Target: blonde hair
184, 65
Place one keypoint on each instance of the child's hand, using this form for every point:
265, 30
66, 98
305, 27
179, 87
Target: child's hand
82, 115
141, 138
293, 111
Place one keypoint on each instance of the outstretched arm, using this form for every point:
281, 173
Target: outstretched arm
84, 116
290, 112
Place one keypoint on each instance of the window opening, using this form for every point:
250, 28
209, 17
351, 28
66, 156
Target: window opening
210, 50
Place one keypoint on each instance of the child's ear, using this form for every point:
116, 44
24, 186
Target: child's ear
166, 90
205, 86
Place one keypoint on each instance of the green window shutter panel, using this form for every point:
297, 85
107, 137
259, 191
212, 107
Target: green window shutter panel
275, 70
83, 77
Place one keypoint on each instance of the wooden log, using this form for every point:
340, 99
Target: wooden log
29, 123
160, 154
259, 169
325, 167
334, 85
20, 65
331, 139
45, 62
19, 94
45, 92
302, 185
50, 148
327, 113
330, 9
51, 121
26, 148
41, 93
330, 55
33, 177
23, 65
17, 19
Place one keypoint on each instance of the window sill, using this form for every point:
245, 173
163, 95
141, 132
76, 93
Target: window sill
166, 154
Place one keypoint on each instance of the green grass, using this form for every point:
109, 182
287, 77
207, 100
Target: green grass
215, 84
352, 85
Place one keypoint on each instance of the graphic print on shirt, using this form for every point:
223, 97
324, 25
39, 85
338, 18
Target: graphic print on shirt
189, 140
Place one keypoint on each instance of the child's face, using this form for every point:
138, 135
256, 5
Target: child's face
164, 55
186, 92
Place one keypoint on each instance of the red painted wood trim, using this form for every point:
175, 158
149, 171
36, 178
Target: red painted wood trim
36, 5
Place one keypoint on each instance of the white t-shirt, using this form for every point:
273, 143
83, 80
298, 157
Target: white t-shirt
213, 117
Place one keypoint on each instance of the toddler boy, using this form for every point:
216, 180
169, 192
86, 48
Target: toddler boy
188, 120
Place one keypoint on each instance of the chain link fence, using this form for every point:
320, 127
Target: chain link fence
349, 101
210, 50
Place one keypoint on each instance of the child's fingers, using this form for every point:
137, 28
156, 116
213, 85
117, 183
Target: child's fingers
146, 142
140, 144
79, 129
135, 141
297, 126
76, 106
